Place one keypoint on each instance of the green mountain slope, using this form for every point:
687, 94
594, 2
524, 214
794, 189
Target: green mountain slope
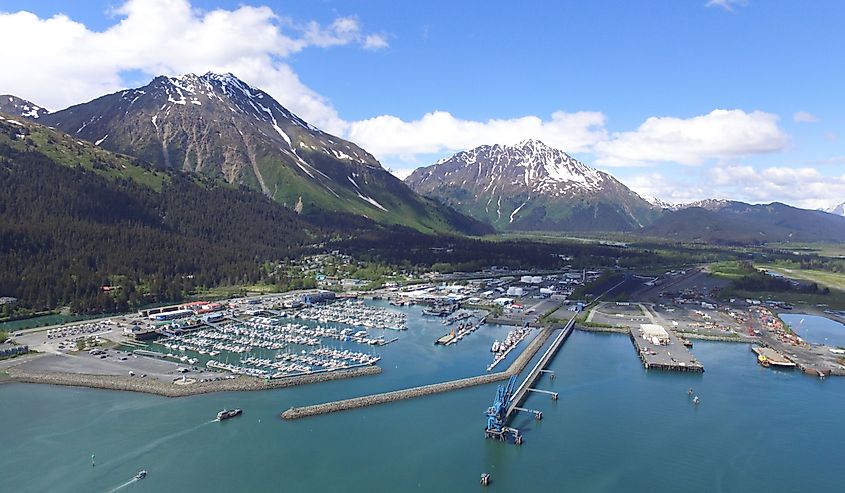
219, 126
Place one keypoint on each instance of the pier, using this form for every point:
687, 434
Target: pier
663, 350
526, 386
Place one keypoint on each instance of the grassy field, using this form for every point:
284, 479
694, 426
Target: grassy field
833, 280
728, 270
223, 292
824, 249
42, 321
834, 300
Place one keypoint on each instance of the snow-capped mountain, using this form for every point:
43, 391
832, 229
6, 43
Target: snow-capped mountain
531, 186
838, 209
15, 106
218, 125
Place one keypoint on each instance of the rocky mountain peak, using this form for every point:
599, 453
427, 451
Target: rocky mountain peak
15, 106
529, 182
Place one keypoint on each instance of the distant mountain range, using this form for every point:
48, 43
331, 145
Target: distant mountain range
530, 187
218, 126
727, 221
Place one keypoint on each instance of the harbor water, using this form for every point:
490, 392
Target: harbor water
815, 329
615, 427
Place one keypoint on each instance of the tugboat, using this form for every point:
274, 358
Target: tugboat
228, 413
141, 475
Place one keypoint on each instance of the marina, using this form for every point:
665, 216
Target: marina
501, 350
270, 347
469, 322
354, 312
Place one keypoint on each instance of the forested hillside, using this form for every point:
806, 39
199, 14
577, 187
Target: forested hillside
67, 230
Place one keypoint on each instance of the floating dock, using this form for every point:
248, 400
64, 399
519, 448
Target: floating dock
665, 352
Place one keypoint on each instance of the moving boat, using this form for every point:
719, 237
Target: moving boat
228, 413
141, 474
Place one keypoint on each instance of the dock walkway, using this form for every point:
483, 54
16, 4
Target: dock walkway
522, 391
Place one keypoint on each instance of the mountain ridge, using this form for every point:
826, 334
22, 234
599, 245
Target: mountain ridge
531, 186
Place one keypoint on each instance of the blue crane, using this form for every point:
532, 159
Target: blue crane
497, 414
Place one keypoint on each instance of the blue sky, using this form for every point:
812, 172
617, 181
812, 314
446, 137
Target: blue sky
421, 81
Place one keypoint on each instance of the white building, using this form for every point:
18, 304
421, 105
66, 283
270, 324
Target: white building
654, 333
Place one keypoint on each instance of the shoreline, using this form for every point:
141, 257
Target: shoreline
240, 383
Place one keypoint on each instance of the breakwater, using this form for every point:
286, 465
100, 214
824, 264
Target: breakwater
382, 398
169, 389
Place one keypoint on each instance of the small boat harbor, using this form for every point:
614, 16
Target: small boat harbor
354, 312
271, 347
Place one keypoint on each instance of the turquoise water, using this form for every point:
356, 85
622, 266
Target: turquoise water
817, 330
615, 427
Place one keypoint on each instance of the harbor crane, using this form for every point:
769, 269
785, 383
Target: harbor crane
497, 414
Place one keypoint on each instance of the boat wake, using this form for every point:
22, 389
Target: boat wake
149, 447
124, 485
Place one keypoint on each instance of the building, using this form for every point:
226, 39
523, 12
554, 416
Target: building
531, 279
654, 333
317, 297
515, 291
170, 315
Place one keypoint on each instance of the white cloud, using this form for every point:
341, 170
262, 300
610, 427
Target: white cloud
440, 131
692, 141
376, 42
727, 4
669, 190
66, 63
803, 187
804, 117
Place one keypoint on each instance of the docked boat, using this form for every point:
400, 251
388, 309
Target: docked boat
141, 474
228, 413
495, 347
769, 357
